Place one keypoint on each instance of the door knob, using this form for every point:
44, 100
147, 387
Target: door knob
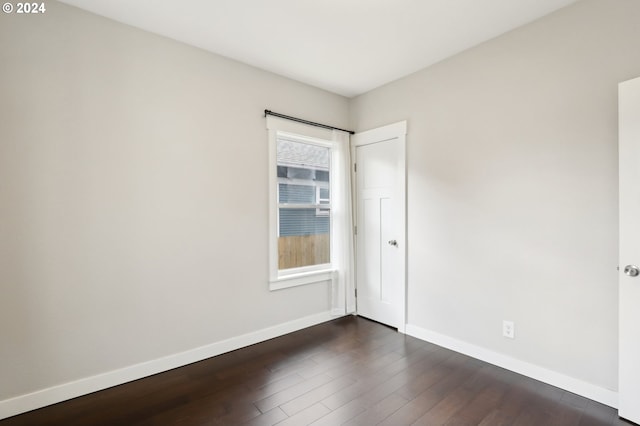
395, 244
631, 270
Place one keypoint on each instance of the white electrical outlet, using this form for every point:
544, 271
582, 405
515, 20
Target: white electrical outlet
509, 329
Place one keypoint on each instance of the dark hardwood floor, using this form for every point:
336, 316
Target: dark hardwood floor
348, 371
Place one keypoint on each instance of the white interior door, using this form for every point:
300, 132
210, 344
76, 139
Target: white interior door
629, 282
380, 221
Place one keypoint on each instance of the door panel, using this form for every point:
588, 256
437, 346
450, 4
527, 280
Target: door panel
388, 267
369, 245
629, 286
380, 186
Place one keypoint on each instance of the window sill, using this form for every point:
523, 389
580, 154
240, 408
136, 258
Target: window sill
303, 278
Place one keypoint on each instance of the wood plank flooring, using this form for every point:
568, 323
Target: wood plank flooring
349, 371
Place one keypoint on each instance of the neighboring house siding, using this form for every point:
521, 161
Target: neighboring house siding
296, 194
296, 222
302, 222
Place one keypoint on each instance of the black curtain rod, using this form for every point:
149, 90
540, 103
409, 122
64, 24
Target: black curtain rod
300, 120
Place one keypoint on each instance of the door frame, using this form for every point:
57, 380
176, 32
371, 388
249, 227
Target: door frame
382, 134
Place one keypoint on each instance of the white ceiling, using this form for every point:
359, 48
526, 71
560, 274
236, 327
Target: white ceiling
344, 46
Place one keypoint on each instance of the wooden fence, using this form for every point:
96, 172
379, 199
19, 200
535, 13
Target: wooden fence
303, 250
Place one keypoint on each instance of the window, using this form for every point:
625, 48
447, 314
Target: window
301, 209
304, 205
310, 217
322, 197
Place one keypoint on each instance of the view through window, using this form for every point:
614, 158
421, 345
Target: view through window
304, 204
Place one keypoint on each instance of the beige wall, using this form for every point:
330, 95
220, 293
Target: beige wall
512, 187
133, 197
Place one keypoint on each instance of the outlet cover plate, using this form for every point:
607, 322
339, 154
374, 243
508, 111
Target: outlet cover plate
509, 329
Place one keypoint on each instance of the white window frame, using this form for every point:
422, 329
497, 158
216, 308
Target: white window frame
309, 274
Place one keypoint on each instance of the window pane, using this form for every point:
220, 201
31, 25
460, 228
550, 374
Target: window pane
323, 195
304, 238
303, 178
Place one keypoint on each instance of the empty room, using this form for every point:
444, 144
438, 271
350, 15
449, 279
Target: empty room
320, 212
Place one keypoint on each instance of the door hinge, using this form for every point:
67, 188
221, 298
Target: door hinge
355, 168
355, 230
356, 292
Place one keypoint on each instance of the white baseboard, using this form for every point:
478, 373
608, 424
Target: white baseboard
63, 392
579, 387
